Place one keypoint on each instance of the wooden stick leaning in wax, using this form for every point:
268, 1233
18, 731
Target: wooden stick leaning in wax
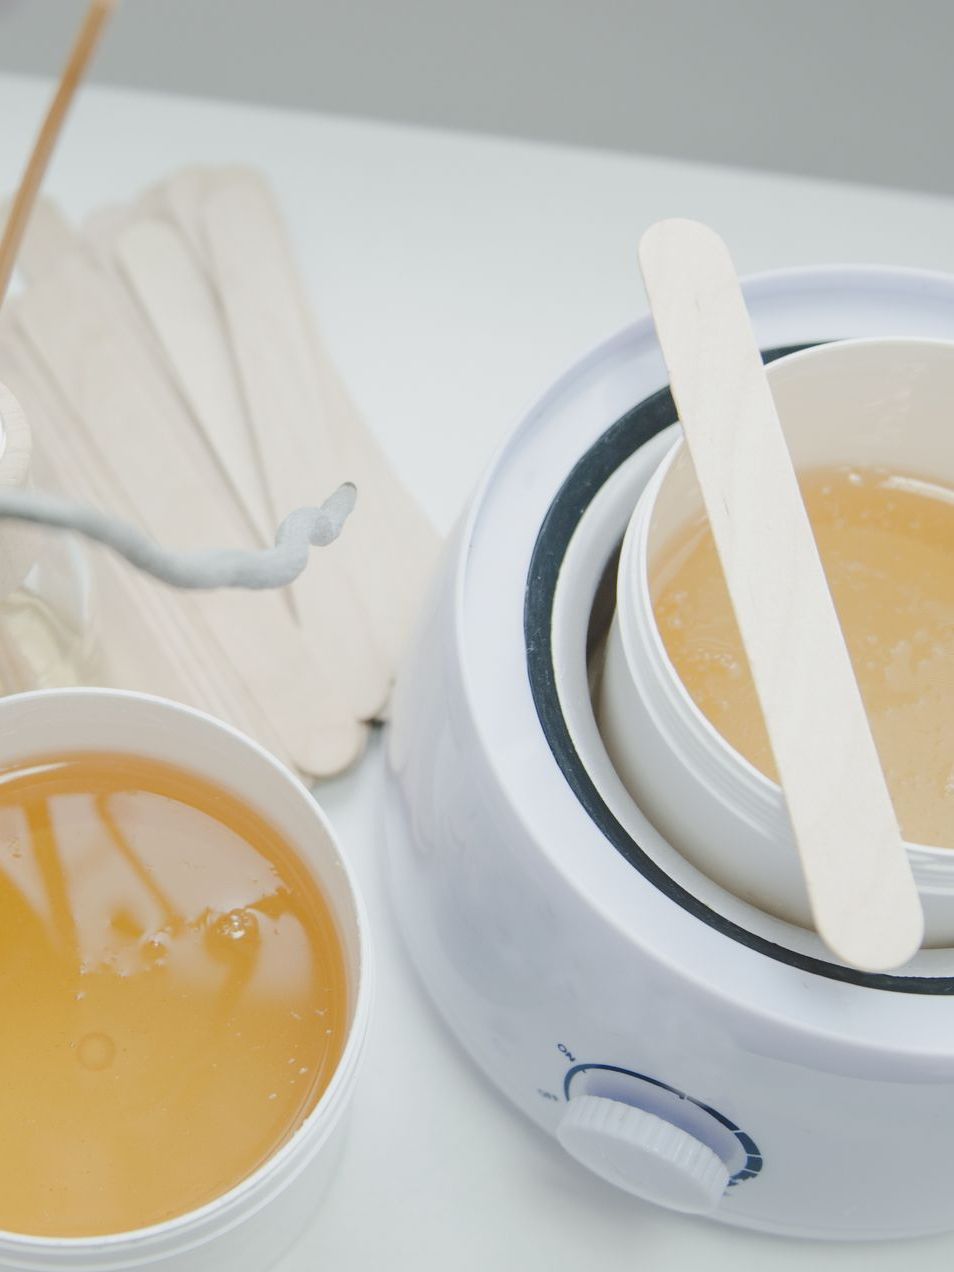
863, 897
81, 53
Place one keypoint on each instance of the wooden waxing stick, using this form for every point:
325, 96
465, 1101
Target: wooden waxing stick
863, 897
84, 46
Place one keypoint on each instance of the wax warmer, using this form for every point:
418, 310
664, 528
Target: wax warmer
674, 1038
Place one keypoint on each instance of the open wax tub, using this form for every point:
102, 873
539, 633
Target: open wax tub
249, 1225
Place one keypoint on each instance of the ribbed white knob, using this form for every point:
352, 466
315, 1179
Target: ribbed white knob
643, 1154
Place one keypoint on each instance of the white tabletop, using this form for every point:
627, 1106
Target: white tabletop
455, 277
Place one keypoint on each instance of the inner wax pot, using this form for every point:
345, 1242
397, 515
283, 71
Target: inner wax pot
872, 404
680, 1039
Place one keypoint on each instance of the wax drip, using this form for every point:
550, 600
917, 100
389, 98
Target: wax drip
203, 569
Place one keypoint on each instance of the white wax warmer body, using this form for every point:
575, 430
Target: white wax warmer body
571, 948
875, 403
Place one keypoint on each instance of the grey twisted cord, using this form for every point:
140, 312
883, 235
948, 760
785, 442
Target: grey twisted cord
208, 568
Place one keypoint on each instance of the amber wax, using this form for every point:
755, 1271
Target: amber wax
172, 993
886, 541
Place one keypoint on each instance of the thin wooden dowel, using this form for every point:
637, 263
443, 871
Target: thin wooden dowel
864, 899
84, 46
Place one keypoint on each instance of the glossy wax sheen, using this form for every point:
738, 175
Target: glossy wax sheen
172, 993
887, 544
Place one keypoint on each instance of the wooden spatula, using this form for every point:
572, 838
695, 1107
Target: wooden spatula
863, 897
179, 304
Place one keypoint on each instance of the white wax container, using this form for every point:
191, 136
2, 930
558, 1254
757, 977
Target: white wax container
250, 1226
856, 402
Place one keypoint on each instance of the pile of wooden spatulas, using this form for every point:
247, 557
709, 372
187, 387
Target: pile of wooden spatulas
171, 373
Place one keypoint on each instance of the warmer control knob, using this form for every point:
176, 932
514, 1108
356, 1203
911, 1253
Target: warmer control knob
643, 1154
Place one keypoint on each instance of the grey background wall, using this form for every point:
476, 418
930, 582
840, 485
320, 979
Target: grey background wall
854, 89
